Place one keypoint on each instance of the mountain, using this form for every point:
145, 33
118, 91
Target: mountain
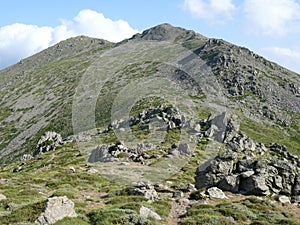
155, 123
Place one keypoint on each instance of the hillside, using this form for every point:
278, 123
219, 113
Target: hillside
157, 121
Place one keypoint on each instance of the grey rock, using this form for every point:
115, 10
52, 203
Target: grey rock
56, 209
146, 212
283, 199
246, 174
255, 185
296, 186
101, 154
215, 192
146, 190
184, 149
214, 170
230, 183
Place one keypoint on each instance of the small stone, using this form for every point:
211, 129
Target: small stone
72, 169
178, 194
92, 171
17, 169
2, 197
146, 212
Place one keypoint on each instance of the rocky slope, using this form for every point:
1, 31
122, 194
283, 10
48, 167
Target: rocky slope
167, 127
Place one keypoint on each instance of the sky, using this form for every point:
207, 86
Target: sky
270, 28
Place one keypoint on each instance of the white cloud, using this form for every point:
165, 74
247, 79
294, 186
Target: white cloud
284, 56
217, 11
18, 41
272, 16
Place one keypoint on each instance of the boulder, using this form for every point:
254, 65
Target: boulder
184, 149
214, 170
101, 154
286, 172
146, 212
56, 209
255, 184
230, 183
215, 192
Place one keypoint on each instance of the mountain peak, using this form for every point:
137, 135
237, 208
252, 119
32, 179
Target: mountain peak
162, 32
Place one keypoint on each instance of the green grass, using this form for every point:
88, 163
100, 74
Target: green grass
266, 134
248, 211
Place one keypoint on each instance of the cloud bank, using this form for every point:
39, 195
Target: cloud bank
272, 17
216, 11
19, 41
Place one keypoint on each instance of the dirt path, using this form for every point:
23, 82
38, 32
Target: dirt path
179, 208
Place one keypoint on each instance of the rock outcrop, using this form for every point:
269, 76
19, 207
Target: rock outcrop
48, 142
251, 168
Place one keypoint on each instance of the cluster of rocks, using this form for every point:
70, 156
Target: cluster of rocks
145, 189
248, 167
119, 152
167, 117
49, 141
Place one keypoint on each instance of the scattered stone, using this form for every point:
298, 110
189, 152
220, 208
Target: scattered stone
215, 192
146, 212
283, 199
56, 209
92, 171
178, 194
72, 169
2, 197
26, 157
17, 169
191, 188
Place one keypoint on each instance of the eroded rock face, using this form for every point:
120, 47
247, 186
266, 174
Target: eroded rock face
56, 209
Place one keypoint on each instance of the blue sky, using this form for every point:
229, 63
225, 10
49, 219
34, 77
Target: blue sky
268, 27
